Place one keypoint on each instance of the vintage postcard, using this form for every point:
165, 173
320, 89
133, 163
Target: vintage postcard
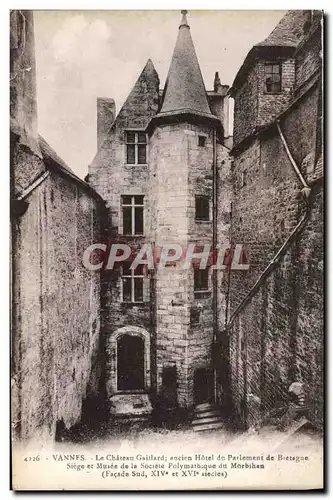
166, 250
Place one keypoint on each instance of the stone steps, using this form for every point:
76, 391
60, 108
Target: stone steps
130, 410
209, 427
204, 414
207, 417
206, 420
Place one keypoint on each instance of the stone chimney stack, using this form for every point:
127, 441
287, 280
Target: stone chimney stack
217, 83
23, 100
106, 113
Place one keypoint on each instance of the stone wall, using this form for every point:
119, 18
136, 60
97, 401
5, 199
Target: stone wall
276, 337
56, 330
111, 177
271, 105
180, 169
246, 107
308, 56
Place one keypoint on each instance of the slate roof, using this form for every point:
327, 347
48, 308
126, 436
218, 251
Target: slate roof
289, 31
53, 160
284, 38
184, 89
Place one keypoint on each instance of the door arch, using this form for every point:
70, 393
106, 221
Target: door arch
140, 338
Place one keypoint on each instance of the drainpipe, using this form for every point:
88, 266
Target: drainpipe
270, 266
214, 276
306, 193
292, 161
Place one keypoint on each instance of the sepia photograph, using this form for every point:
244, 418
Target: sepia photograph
166, 250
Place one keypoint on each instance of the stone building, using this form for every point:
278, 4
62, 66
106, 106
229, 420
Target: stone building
275, 327
165, 173
55, 316
161, 166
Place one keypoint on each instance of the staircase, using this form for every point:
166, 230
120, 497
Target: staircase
130, 410
207, 417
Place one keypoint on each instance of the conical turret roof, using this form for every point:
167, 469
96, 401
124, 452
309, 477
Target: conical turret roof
184, 88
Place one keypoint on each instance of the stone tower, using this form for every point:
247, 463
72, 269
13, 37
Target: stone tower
161, 167
182, 171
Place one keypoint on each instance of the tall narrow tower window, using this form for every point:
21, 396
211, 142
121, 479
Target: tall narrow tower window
200, 280
202, 208
136, 148
272, 78
132, 212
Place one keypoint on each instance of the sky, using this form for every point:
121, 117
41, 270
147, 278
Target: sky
82, 55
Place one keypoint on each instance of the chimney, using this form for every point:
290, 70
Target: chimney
106, 112
23, 99
217, 83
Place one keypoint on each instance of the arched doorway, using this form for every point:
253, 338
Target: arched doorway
130, 363
126, 355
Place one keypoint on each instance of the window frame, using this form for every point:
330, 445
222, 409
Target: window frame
136, 144
208, 198
132, 276
133, 205
202, 290
272, 63
202, 137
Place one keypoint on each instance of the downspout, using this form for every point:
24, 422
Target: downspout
292, 161
214, 276
270, 266
306, 193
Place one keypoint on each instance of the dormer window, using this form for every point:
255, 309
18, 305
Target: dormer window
272, 78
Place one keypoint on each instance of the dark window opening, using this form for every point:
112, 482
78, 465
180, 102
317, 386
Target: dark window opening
244, 178
194, 316
136, 148
202, 208
203, 386
169, 387
202, 141
132, 210
200, 280
282, 227
273, 78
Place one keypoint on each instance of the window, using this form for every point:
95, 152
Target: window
272, 78
202, 208
244, 178
132, 283
200, 280
136, 148
202, 140
132, 210
194, 316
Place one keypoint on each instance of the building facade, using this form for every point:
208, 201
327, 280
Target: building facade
275, 326
160, 167
55, 314
168, 171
